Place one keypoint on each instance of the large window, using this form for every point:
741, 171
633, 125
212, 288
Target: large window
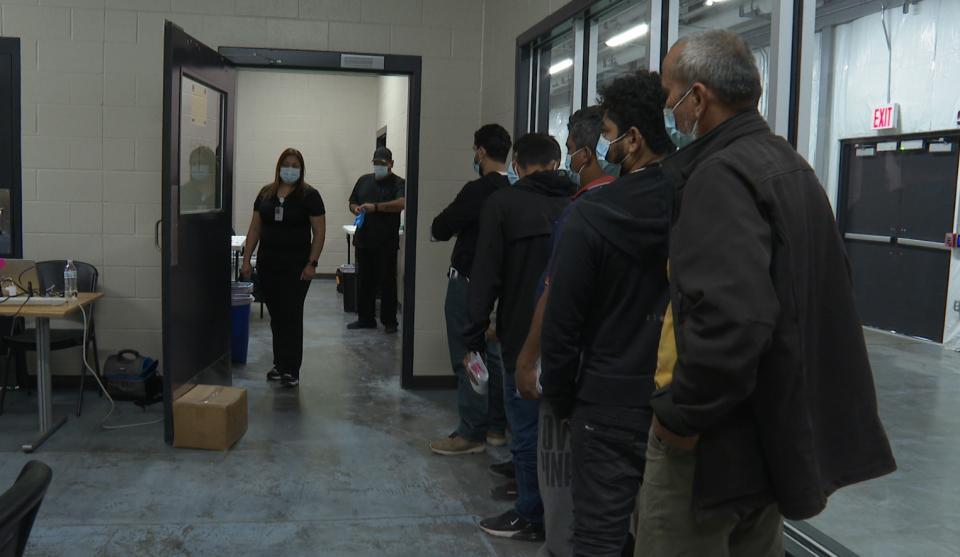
750, 20
10, 171
564, 61
620, 44
556, 75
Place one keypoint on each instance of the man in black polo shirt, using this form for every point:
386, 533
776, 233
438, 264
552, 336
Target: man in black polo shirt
380, 197
482, 417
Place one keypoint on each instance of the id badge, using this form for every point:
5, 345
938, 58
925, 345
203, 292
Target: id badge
278, 214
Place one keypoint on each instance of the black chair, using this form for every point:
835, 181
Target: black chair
19, 506
50, 274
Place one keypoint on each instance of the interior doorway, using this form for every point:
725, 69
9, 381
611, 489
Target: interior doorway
336, 120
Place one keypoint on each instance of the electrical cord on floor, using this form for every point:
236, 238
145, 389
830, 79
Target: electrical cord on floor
113, 405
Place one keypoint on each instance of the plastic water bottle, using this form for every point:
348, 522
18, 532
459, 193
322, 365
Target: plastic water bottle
70, 280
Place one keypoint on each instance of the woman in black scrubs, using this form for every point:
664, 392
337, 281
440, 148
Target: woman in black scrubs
284, 214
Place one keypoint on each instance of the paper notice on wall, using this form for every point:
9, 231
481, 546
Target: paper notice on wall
198, 105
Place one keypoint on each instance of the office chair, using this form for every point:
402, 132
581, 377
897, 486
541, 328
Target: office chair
19, 506
50, 274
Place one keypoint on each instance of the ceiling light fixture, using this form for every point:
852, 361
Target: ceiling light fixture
629, 35
561, 65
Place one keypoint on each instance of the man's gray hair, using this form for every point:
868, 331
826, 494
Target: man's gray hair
723, 62
585, 126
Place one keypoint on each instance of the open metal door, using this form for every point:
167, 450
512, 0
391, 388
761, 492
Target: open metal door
199, 100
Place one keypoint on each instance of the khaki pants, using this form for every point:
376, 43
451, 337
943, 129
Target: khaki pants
666, 527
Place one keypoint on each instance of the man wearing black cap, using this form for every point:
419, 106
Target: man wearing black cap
380, 197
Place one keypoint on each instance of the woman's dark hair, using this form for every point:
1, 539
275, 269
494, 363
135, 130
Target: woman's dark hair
495, 140
536, 148
298, 186
637, 101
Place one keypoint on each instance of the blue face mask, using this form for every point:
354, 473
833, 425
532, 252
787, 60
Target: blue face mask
603, 146
476, 163
574, 175
679, 138
609, 168
289, 175
512, 175
380, 171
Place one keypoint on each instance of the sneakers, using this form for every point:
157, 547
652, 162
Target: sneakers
506, 492
391, 329
289, 381
361, 325
503, 469
510, 525
496, 439
455, 445
273, 374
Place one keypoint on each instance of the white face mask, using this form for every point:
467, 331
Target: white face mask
289, 174
380, 171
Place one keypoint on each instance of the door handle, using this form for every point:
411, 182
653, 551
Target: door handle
156, 235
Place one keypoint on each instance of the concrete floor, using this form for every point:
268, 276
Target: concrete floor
341, 466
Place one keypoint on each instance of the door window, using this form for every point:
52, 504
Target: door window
201, 132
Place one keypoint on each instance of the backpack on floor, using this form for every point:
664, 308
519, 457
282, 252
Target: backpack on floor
130, 376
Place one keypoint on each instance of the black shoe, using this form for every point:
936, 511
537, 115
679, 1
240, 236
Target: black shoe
273, 375
361, 325
506, 492
503, 470
510, 525
391, 329
289, 381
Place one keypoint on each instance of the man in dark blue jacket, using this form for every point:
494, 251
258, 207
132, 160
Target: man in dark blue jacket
482, 417
601, 325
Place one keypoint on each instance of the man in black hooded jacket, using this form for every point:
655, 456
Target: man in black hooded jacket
512, 251
601, 326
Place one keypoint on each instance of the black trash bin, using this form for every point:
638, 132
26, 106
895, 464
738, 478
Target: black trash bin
348, 280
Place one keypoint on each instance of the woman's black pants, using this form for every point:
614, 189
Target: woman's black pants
284, 293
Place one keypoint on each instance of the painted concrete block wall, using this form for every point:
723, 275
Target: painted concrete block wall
329, 118
92, 80
503, 22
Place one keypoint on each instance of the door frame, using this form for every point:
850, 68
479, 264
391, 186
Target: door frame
11, 46
379, 64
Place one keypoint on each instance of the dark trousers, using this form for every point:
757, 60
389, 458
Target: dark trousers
478, 413
377, 267
284, 293
609, 444
524, 417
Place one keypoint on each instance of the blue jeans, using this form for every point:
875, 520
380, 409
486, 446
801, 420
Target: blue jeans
524, 419
478, 413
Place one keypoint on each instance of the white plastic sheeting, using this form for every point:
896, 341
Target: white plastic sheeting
925, 74
762, 56
925, 80
559, 118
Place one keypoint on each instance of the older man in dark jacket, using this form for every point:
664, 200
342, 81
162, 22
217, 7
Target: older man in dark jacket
766, 403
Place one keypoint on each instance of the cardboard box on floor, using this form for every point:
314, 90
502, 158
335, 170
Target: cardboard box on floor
210, 417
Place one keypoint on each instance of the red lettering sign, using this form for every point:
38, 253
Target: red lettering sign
883, 118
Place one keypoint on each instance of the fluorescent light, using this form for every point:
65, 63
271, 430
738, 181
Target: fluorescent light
629, 35
561, 65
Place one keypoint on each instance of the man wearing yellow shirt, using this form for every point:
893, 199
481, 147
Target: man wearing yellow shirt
766, 403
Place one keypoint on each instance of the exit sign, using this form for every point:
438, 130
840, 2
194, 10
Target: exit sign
886, 117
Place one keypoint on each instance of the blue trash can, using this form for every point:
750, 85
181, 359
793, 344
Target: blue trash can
240, 328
